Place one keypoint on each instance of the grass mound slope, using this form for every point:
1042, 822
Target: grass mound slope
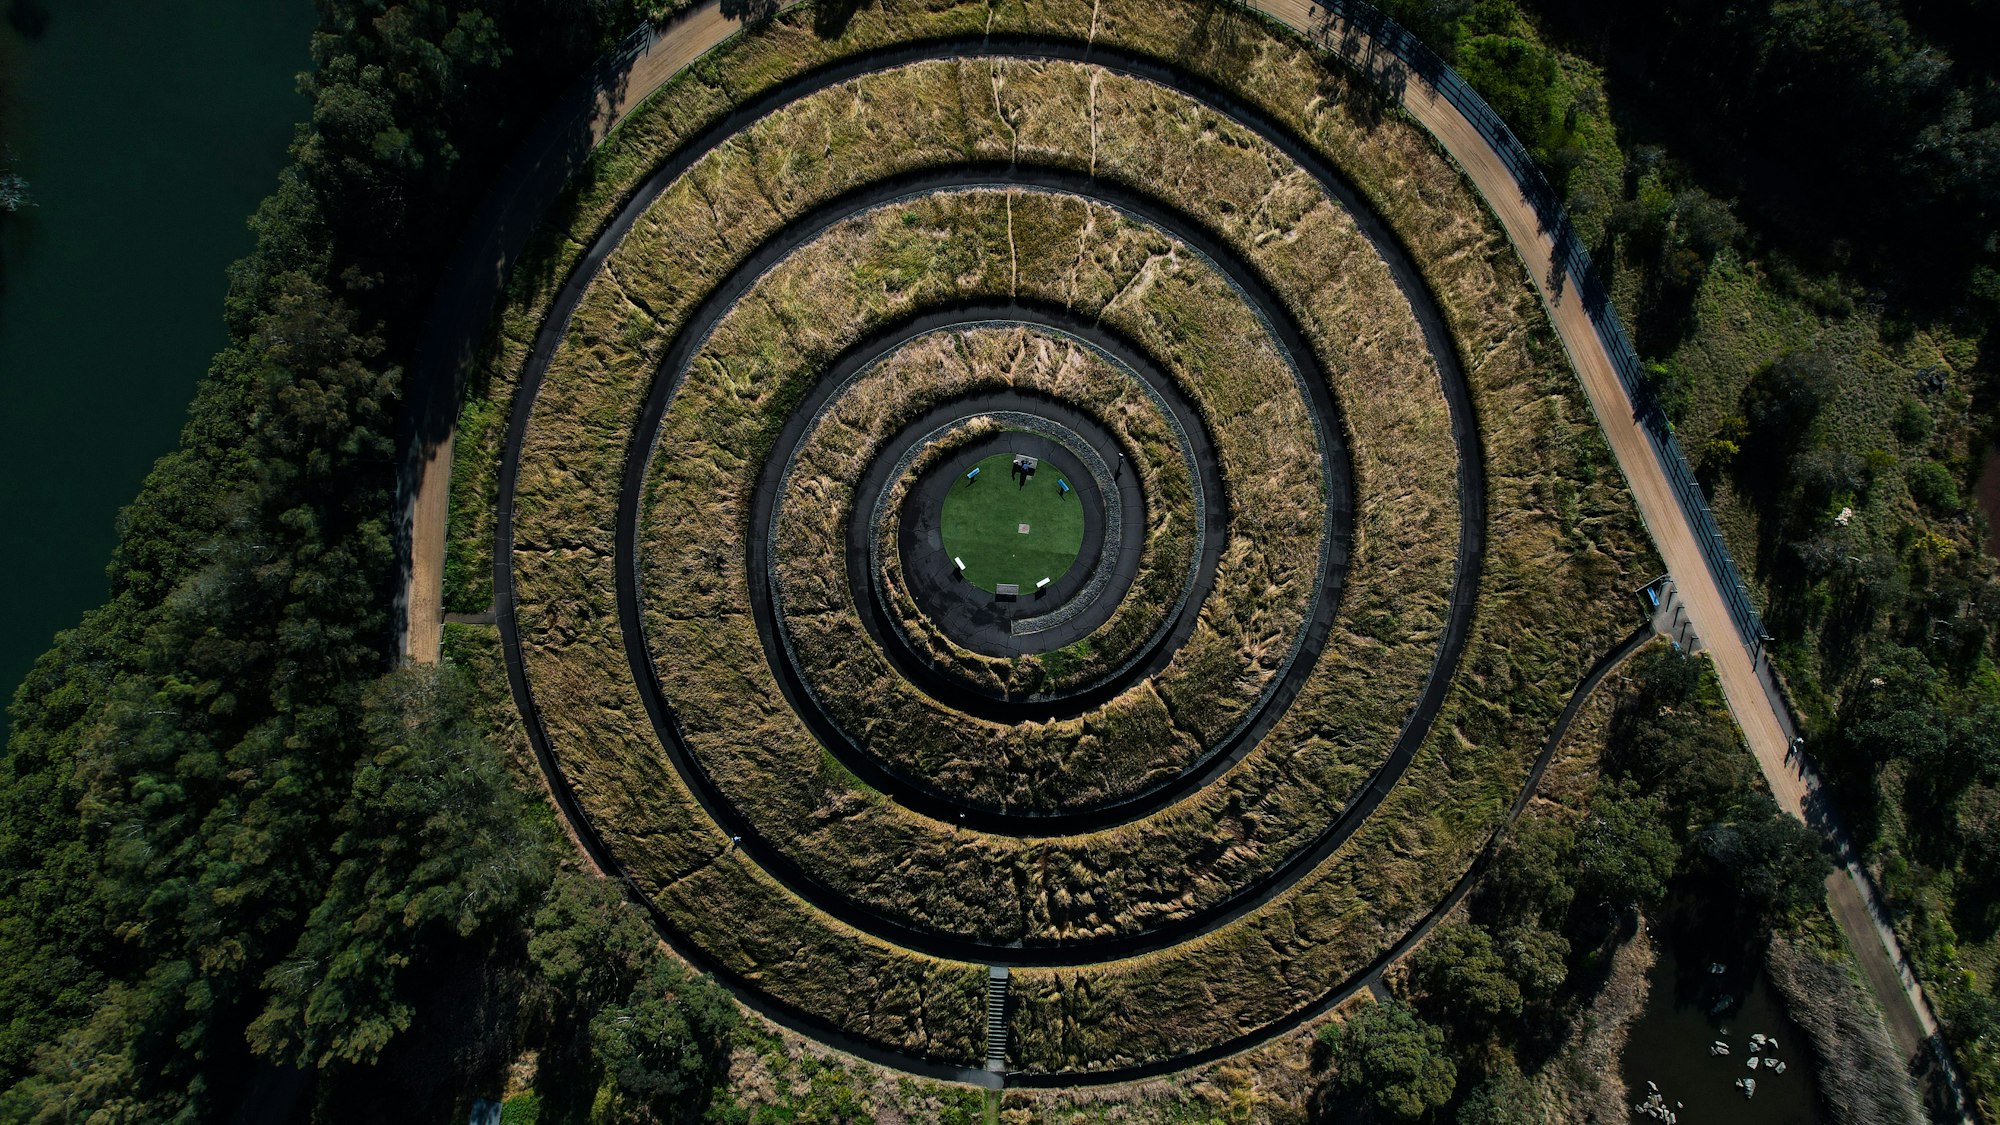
1256, 894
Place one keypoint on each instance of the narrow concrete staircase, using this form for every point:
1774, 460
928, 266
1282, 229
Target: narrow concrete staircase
996, 1019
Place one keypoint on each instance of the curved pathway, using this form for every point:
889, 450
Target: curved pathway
1747, 685
1220, 758
1470, 545
1300, 863
502, 226
950, 690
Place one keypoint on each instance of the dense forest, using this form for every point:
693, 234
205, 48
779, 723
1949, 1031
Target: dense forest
1797, 207
239, 855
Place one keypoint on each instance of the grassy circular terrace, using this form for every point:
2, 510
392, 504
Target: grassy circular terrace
1322, 836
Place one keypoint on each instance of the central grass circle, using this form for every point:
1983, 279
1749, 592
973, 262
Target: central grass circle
1011, 529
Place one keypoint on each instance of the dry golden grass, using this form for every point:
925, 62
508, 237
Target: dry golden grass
864, 852
1094, 756
1563, 542
1155, 292
925, 372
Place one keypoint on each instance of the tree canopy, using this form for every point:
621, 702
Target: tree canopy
1390, 1060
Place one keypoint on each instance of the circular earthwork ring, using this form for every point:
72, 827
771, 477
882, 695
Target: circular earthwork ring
887, 535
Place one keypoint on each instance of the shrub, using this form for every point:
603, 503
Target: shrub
663, 1050
1913, 421
1392, 1061
1931, 485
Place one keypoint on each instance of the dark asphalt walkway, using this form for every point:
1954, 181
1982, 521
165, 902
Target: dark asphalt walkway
913, 792
781, 867
985, 621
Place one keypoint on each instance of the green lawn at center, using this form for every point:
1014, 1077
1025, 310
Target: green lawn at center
981, 523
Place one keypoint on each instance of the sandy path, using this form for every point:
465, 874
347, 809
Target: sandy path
526, 192
508, 216
1850, 893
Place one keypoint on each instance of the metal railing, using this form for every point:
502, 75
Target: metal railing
1591, 289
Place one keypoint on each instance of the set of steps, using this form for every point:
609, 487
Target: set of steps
996, 1018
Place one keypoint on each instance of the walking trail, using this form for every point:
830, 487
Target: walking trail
1851, 894
534, 181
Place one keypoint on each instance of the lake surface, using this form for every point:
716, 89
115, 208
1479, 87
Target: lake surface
148, 131
1687, 1010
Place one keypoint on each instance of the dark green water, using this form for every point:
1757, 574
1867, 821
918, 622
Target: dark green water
1690, 1008
148, 131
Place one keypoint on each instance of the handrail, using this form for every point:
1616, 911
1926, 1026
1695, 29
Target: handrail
1591, 287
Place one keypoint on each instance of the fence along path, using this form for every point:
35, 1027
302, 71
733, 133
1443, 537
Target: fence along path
1674, 508
1501, 170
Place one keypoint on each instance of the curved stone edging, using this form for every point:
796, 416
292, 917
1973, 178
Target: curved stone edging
1218, 758
1110, 542
1210, 520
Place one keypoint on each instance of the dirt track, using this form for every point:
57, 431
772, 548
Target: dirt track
509, 215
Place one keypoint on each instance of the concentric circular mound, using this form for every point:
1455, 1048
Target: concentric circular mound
1340, 539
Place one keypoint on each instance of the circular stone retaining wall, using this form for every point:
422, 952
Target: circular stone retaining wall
1294, 831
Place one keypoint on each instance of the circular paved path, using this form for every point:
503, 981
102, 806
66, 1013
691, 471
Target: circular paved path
987, 621
1156, 212
1384, 52
1471, 526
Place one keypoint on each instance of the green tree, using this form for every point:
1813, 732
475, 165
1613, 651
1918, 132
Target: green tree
1772, 863
1531, 878
1464, 981
1502, 1097
1537, 959
588, 943
1519, 79
1626, 852
1392, 1061
432, 847
662, 1050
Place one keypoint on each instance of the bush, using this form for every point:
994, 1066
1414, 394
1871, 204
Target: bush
1391, 1061
663, 1050
1464, 980
1518, 78
522, 1109
1913, 423
1784, 399
1931, 485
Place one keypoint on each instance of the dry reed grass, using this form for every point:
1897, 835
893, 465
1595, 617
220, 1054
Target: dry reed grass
1562, 543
